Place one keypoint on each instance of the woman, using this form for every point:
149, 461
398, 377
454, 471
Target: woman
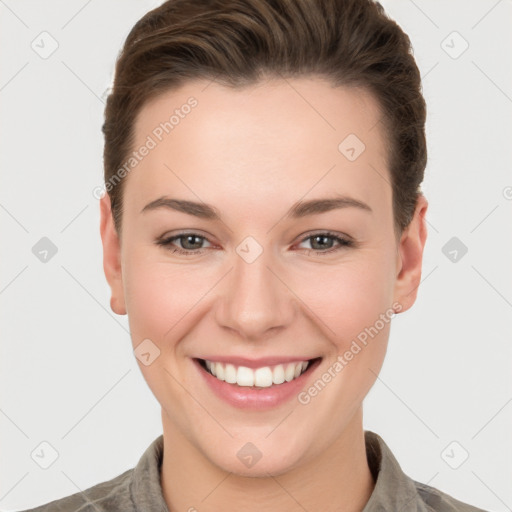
263, 223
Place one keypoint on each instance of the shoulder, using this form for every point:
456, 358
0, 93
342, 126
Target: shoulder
136, 489
111, 495
438, 501
394, 490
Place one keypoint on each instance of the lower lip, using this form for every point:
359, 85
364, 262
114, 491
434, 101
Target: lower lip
245, 397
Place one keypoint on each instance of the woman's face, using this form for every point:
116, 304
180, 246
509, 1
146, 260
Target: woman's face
264, 282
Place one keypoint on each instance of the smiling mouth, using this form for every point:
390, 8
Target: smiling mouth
263, 377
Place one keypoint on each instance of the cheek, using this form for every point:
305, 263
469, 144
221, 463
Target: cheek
160, 300
148, 304
350, 296
158, 295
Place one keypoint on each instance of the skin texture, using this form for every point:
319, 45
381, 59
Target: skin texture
252, 153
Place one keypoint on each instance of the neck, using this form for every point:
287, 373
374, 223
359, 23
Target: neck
337, 479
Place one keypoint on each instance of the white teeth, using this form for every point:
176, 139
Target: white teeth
289, 372
219, 371
244, 376
278, 374
260, 377
263, 377
230, 374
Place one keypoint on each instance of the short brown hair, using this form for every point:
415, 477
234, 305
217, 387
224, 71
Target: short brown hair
237, 42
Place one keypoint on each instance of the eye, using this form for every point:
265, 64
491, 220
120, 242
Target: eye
322, 243
189, 242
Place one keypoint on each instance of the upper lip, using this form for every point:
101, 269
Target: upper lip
256, 363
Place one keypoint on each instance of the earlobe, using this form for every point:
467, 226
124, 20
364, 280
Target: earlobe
111, 256
410, 254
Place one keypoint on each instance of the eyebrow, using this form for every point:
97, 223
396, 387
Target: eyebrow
298, 210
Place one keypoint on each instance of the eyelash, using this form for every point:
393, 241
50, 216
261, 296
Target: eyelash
166, 243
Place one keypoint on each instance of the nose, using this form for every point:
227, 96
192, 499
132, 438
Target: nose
255, 299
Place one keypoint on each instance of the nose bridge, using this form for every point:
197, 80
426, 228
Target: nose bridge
254, 300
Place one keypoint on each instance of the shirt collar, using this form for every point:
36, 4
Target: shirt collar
394, 491
145, 487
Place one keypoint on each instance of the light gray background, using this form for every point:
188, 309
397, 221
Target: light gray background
68, 374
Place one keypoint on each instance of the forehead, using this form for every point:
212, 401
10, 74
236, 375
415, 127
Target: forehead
281, 137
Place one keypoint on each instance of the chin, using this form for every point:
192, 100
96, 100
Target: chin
247, 460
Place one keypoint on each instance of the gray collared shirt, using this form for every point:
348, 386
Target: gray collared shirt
139, 490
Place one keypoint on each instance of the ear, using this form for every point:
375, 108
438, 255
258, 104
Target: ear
111, 256
410, 257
